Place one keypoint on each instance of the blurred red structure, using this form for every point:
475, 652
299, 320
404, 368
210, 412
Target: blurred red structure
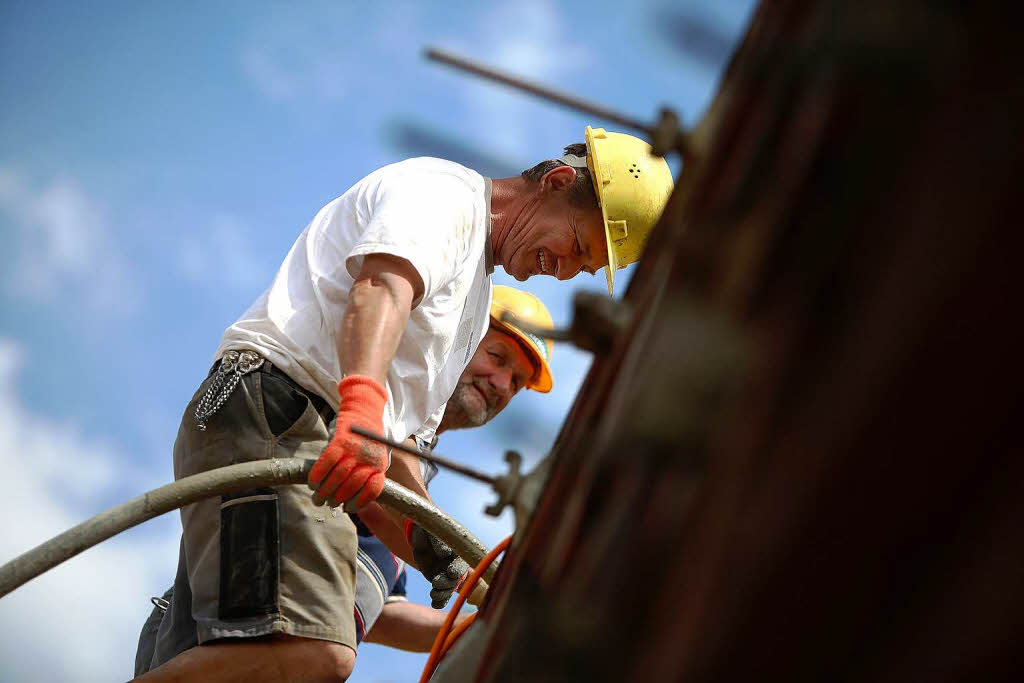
802, 458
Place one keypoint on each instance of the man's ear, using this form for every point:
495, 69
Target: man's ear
558, 179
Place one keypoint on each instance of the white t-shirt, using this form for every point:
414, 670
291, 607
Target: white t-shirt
431, 212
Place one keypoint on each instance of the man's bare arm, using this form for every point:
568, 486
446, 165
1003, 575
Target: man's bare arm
386, 524
409, 626
352, 468
379, 304
405, 470
381, 522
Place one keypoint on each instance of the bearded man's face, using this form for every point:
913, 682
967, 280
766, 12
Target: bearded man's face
498, 370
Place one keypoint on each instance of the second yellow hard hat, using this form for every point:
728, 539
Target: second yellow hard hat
529, 309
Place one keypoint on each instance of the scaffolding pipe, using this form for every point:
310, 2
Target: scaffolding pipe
217, 482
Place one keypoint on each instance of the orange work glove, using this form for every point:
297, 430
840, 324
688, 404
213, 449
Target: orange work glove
350, 462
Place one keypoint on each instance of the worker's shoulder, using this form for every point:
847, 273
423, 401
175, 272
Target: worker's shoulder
434, 171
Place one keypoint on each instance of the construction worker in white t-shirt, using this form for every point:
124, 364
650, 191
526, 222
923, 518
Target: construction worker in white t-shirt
371, 319
508, 360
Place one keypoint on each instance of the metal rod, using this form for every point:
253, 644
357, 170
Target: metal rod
554, 334
550, 94
430, 457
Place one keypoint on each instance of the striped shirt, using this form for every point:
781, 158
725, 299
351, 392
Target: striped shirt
380, 576
380, 579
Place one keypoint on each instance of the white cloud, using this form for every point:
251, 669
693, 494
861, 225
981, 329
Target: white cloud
301, 53
223, 254
325, 52
63, 247
285, 72
530, 39
540, 45
81, 620
268, 75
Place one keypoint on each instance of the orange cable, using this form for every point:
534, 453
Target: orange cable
456, 632
464, 591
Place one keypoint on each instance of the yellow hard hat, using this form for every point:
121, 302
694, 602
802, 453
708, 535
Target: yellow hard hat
530, 309
632, 188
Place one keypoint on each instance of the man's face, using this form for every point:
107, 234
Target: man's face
552, 237
498, 370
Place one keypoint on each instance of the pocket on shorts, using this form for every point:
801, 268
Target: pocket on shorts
249, 554
283, 404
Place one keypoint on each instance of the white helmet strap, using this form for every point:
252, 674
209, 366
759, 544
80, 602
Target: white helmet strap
573, 160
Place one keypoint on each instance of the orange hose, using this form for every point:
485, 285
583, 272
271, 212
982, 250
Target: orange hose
464, 591
456, 632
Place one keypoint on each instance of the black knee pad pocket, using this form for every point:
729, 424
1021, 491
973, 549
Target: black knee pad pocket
249, 554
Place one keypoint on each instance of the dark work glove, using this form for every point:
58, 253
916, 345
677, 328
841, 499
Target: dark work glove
443, 568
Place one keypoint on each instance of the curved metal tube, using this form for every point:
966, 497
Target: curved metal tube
231, 479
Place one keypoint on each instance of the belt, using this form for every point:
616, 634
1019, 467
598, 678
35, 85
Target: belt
320, 404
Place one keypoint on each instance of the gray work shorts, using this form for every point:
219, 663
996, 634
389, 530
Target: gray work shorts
265, 561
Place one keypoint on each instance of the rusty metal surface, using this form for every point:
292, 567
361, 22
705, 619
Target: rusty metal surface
802, 459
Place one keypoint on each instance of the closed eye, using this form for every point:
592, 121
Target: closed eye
578, 251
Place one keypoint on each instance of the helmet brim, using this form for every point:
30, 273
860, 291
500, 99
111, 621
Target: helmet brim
597, 174
542, 381
613, 258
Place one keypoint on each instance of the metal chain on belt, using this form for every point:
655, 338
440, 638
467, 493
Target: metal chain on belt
233, 366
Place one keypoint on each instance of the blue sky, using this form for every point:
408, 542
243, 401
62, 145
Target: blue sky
156, 163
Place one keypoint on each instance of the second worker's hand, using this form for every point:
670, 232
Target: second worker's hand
437, 562
350, 466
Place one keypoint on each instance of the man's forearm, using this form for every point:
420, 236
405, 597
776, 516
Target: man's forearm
405, 470
408, 626
351, 468
387, 524
381, 522
379, 303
